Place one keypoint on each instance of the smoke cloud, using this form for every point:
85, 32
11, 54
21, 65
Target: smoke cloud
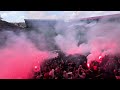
103, 39
19, 52
18, 55
70, 36
92, 39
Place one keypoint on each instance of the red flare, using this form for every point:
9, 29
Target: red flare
88, 65
100, 57
36, 68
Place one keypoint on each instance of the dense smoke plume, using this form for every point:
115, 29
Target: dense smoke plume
42, 33
103, 39
92, 39
19, 54
72, 37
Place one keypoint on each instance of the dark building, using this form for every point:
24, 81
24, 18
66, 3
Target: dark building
37, 23
47, 27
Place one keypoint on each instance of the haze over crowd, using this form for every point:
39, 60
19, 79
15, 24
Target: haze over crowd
20, 53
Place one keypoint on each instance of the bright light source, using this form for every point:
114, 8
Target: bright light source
100, 57
88, 65
35, 67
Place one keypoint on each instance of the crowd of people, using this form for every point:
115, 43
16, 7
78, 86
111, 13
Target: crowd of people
71, 67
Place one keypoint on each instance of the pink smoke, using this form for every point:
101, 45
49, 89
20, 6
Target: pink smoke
18, 58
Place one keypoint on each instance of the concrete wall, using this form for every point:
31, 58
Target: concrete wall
38, 23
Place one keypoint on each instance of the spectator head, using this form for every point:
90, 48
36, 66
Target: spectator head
53, 70
69, 73
82, 71
76, 71
85, 62
80, 66
95, 67
114, 71
64, 71
84, 75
